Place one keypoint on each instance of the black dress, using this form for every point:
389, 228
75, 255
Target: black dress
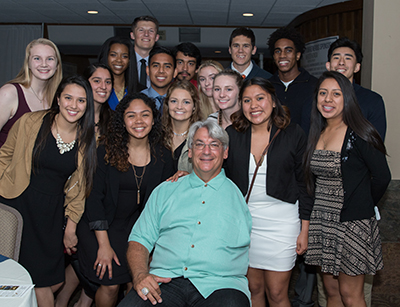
126, 214
41, 207
112, 206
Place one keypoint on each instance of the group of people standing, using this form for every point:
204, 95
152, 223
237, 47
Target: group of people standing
83, 155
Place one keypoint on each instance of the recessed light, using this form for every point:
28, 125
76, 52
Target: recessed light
217, 51
92, 12
248, 14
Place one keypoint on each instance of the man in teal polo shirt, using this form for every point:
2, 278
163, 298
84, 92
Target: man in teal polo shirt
199, 228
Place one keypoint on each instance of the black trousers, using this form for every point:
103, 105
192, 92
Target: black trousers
180, 292
305, 284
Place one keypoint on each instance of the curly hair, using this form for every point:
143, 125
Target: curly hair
288, 33
166, 119
279, 116
117, 139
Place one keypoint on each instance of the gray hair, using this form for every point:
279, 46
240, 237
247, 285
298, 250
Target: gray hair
215, 131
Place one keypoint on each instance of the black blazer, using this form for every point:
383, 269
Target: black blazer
285, 177
365, 174
102, 202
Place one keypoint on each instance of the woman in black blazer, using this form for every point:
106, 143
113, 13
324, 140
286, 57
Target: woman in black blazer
346, 169
131, 163
278, 201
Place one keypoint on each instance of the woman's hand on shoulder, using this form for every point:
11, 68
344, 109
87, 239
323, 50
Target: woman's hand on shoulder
8, 103
177, 175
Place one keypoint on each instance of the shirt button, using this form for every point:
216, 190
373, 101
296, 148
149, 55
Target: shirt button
205, 185
203, 202
198, 223
185, 268
192, 246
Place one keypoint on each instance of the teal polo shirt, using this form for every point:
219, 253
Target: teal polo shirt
200, 231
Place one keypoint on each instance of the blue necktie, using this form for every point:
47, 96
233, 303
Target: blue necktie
159, 103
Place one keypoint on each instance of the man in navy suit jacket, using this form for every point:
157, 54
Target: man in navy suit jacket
345, 56
242, 45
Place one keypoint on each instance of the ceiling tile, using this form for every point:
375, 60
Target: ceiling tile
268, 13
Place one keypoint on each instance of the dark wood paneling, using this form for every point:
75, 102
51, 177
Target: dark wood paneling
342, 19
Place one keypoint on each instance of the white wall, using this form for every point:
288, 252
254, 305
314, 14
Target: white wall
382, 40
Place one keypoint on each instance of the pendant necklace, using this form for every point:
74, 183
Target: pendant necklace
137, 179
40, 100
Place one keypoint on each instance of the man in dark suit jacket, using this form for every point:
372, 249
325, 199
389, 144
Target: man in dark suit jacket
294, 85
242, 45
145, 34
345, 56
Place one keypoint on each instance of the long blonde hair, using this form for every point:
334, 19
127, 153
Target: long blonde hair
205, 105
24, 76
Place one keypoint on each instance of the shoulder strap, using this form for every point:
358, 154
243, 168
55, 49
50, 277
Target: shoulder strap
259, 164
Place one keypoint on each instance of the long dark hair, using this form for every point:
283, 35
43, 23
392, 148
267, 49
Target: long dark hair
352, 117
117, 138
279, 116
85, 132
131, 76
105, 110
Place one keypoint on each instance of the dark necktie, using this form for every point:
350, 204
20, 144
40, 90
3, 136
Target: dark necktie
160, 103
143, 75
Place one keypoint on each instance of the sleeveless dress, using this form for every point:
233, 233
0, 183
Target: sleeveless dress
127, 213
352, 247
21, 110
276, 226
41, 207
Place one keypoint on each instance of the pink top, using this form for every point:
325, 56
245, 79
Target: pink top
22, 109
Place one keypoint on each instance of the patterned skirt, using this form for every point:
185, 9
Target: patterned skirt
352, 247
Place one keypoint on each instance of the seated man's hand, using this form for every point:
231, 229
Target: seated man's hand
146, 286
